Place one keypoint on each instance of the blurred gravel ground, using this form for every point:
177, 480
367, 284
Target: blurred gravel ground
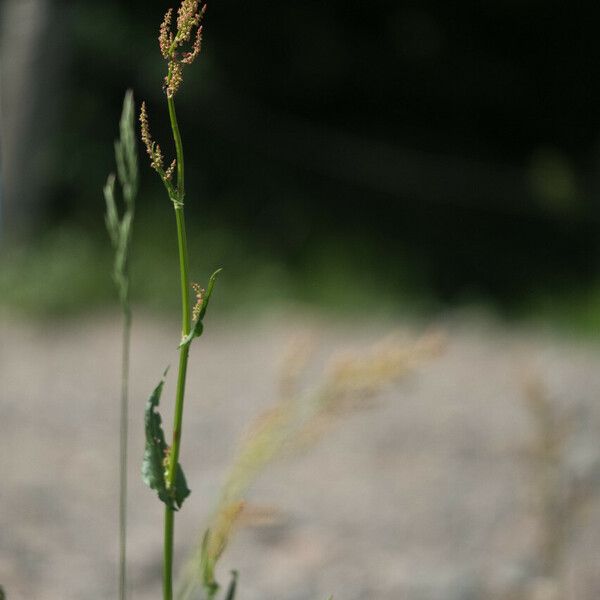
427, 496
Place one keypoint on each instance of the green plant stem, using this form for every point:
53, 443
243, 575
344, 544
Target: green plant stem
168, 554
183, 356
178, 150
124, 435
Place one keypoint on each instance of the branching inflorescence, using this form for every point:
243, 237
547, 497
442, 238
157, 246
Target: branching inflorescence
179, 49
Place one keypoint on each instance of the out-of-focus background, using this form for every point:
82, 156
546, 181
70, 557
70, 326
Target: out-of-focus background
356, 168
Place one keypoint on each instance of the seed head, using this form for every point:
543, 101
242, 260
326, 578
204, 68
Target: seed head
190, 57
176, 48
169, 172
152, 148
224, 522
174, 78
165, 39
188, 17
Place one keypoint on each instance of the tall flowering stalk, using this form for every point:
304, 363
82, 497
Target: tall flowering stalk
161, 470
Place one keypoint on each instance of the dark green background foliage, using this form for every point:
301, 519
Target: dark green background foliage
443, 149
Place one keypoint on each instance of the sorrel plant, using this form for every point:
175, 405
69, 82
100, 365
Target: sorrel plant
161, 470
302, 415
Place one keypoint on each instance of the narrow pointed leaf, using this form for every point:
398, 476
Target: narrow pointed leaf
111, 216
198, 325
207, 568
209, 290
153, 470
232, 586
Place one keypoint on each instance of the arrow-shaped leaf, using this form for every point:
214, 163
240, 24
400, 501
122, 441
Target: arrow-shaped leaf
156, 455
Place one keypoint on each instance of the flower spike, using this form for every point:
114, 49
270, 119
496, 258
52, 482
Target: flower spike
189, 17
152, 148
165, 39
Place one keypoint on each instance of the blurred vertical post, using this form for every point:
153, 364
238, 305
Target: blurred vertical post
27, 63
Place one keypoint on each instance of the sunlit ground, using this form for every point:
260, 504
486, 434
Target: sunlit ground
433, 492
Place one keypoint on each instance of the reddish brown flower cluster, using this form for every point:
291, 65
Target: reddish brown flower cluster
169, 172
153, 149
199, 293
179, 48
189, 17
165, 38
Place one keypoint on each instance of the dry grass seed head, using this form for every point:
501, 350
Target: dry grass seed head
345, 387
301, 416
353, 381
294, 364
222, 529
264, 442
351, 375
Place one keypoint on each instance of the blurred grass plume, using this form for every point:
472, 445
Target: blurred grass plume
349, 383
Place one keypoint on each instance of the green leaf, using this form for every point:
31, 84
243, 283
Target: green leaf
156, 454
2, 594
111, 217
198, 325
181, 491
207, 568
209, 290
232, 586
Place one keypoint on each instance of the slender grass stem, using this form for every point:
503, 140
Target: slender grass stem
123, 451
119, 224
183, 356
